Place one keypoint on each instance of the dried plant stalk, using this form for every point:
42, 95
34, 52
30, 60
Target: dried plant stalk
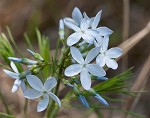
138, 84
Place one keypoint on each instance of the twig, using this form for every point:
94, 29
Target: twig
139, 83
133, 40
126, 22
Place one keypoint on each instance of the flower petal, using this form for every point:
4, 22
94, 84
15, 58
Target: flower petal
91, 32
99, 40
103, 31
88, 38
85, 15
50, 83
114, 52
11, 74
73, 39
85, 24
85, 79
105, 42
100, 60
77, 15
32, 94
71, 25
42, 105
96, 70
16, 85
55, 98
73, 70
23, 86
111, 63
96, 20
76, 54
35, 82
92, 54
13, 66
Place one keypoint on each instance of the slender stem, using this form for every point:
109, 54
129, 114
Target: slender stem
56, 51
52, 108
25, 108
61, 69
126, 23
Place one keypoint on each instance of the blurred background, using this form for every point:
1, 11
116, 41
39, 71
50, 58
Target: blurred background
124, 17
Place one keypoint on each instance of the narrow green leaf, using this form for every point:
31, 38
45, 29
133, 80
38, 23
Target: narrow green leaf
13, 41
28, 41
4, 115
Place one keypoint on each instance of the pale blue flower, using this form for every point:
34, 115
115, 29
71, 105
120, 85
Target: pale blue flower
41, 90
15, 75
84, 67
81, 26
81, 31
107, 56
94, 21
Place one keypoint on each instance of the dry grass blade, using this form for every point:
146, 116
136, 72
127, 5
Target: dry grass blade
138, 84
133, 40
125, 35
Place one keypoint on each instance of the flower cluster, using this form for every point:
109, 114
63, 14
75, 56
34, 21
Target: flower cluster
88, 34
84, 56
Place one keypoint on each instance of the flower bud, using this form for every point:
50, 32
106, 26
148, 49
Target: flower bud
61, 29
102, 78
36, 70
76, 90
83, 101
66, 82
100, 99
97, 96
25, 61
36, 55
19, 60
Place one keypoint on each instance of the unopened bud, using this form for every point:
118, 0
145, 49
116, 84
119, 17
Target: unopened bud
36, 55
61, 29
83, 101
25, 61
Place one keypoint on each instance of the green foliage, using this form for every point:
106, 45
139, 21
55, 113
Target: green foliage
44, 48
4, 115
6, 49
115, 84
13, 41
29, 44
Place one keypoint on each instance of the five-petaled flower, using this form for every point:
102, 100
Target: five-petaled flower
82, 29
41, 90
106, 56
15, 75
83, 67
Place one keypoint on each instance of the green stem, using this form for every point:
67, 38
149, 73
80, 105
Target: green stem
52, 110
25, 108
62, 61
